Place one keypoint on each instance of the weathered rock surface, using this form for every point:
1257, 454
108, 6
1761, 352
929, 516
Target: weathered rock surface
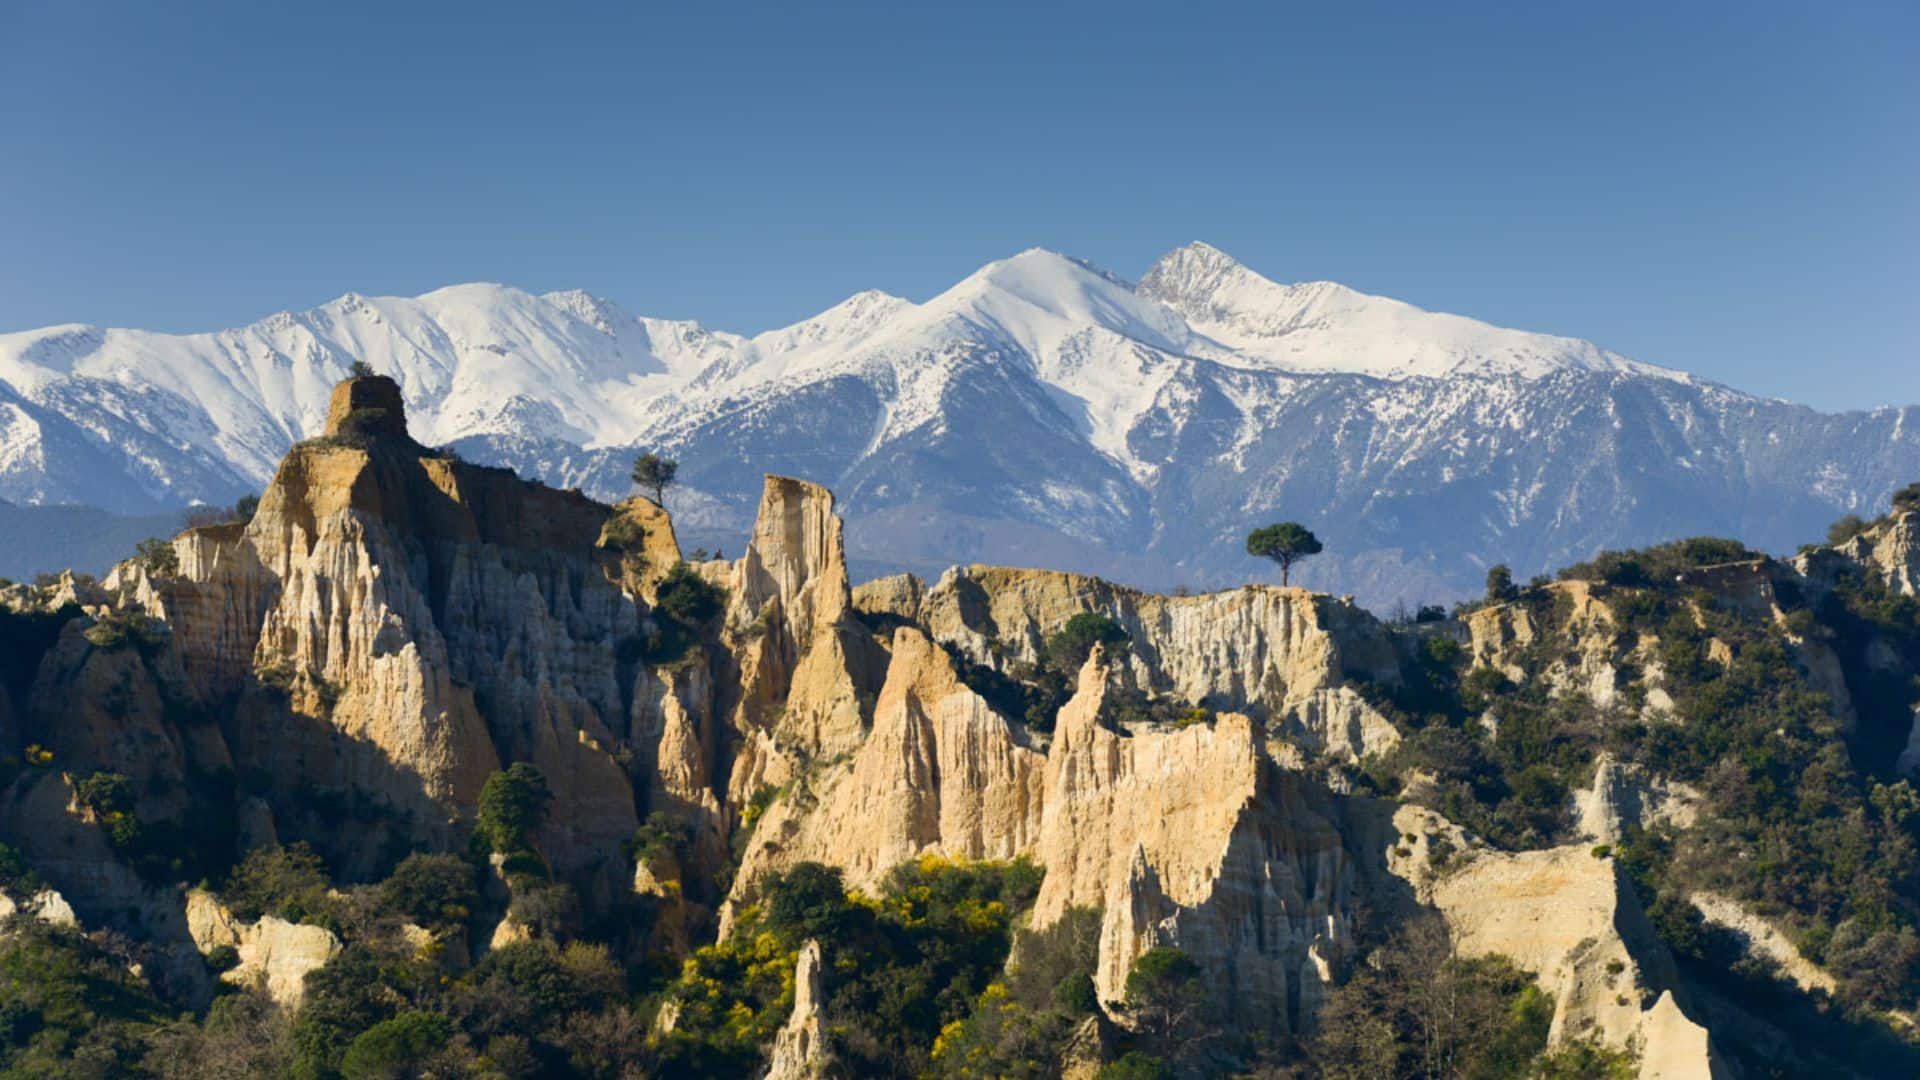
941, 772
1624, 796
1890, 550
1567, 916
1190, 837
1761, 938
396, 624
800, 1049
1582, 654
807, 667
47, 905
1278, 653
275, 955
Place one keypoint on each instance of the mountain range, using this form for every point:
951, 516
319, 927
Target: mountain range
1042, 411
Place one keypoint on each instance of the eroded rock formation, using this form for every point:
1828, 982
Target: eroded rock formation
393, 625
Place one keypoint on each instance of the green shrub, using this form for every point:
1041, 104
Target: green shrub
687, 597
899, 968
395, 1049
222, 958
1068, 648
290, 882
513, 803
121, 629
69, 1007
435, 891
157, 557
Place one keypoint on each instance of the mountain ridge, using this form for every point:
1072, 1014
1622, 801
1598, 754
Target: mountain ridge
1132, 429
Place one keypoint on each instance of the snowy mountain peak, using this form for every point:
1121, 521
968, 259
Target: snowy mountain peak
1326, 327
1038, 298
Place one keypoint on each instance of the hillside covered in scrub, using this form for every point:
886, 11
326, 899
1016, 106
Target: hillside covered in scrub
421, 769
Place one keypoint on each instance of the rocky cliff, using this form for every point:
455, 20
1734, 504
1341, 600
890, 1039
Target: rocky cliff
393, 626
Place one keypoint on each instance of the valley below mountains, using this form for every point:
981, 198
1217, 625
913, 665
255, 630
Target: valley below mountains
425, 768
1042, 412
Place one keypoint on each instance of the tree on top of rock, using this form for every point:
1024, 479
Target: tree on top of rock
656, 473
1285, 543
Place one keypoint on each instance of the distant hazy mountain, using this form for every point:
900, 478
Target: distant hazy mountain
36, 539
1042, 411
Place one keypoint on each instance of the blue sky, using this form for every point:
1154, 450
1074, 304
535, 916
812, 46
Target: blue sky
1730, 189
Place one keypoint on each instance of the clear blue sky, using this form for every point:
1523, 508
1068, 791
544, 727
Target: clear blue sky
1731, 189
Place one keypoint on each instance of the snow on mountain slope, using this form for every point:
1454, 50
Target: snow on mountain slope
1322, 326
1040, 410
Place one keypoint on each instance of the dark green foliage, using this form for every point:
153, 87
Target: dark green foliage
513, 803
123, 629
1845, 529
344, 998
1508, 780
105, 793
1068, 647
659, 837
360, 369
625, 535
1021, 1024
18, 879
684, 604
1658, 565
435, 891
157, 557
1134, 1065
1500, 587
687, 597
1169, 1005
222, 958
1285, 543
898, 968
1906, 500
67, 1007
110, 798
290, 882
395, 1049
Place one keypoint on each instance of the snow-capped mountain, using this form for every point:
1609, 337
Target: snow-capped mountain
1041, 411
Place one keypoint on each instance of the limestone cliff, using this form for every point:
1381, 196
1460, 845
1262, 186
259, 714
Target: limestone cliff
1279, 653
1190, 837
1568, 915
274, 955
800, 1049
1889, 549
807, 669
393, 625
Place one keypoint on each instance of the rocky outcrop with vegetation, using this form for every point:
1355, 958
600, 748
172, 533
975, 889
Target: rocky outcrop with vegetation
423, 769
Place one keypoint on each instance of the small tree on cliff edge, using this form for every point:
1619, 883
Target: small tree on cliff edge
1500, 586
1286, 543
656, 473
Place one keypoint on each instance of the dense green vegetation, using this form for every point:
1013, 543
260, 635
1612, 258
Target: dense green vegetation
901, 966
1802, 817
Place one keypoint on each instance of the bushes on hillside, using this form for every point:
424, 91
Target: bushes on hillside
900, 966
